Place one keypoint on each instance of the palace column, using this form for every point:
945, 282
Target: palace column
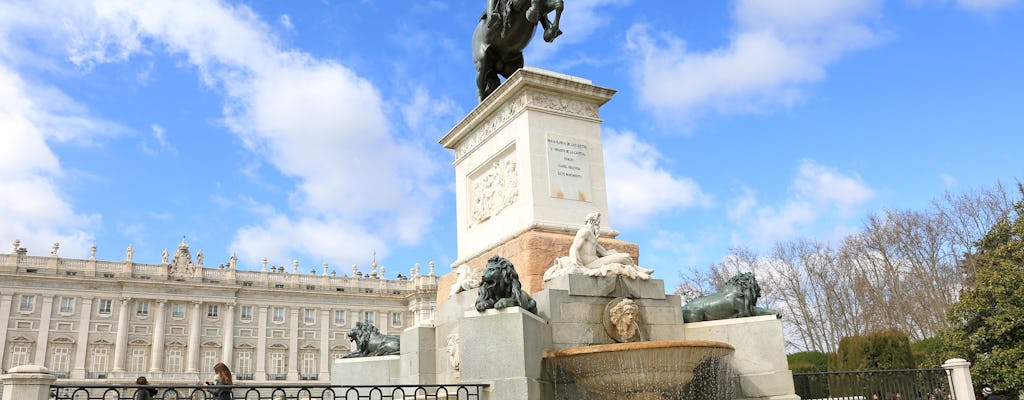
293, 345
325, 345
159, 328
82, 344
229, 335
5, 318
193, 339
44, 330
261, 345
121, 343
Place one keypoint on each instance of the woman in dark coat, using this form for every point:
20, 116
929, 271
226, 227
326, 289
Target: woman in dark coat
145, 393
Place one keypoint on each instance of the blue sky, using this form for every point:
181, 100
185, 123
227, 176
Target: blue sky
307, 130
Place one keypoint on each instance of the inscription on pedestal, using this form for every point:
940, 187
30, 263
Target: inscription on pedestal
568, 168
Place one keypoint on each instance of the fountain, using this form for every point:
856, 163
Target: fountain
635, 371
565, 312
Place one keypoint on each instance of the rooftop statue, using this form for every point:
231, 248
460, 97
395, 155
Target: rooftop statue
504, 30
588, 257
737, 299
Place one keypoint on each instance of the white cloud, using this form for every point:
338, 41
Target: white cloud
817, 193
775, 50
162, 144
315, 121
33, 209
638, 187
285, 21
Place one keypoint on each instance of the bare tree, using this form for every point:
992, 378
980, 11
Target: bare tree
902, 270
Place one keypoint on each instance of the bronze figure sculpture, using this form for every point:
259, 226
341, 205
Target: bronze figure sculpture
504, 30
500, 287
370, 342
737, 299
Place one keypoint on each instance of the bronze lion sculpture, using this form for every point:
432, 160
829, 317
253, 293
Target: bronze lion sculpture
500, 287
370, 342
737, 299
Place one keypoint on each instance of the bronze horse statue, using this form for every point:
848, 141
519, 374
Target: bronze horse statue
503, 32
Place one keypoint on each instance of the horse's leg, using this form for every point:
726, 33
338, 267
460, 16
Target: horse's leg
551, 32
535, 11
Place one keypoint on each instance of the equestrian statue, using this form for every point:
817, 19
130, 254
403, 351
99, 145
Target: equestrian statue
504, 30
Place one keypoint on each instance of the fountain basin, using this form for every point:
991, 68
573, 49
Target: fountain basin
637, 370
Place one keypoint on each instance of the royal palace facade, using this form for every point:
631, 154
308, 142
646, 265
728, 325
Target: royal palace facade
171, 322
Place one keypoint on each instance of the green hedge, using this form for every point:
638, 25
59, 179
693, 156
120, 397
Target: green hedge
873, 351
808, 361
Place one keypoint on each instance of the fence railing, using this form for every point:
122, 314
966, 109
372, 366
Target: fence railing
274, 392
898, 384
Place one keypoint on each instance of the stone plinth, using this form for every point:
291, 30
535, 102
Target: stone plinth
575, 306
529, 157
505, 349
418, 355
381, 370
27, 382
532, 252
760, 356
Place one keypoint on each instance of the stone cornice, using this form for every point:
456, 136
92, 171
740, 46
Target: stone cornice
527, 88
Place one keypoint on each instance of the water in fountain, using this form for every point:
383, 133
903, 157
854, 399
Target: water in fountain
687, 370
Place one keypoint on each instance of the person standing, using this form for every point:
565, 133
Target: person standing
987, 394
223, 383
144, 393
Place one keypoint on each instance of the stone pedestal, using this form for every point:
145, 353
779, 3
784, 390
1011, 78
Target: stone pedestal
27, 382
960, 378
505, 349
760, 356
575, 307
533, 252
418, 355
528, 161
381, 370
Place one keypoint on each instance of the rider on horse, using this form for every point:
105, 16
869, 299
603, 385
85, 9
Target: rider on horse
498, 13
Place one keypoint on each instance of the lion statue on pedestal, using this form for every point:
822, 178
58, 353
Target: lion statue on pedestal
500, 287
370, 342
737, 299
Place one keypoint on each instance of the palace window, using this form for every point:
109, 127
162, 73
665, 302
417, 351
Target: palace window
277, 365
60, 361
105, 306
28, 302
308, 366
367, 317
245, 313
396, 319
178, 310
142, 309
174, 361
212, 310
138, 360
19, 355
244, 364
67, 305
209, 360
339, 317
309, 316
278, 314
99, 359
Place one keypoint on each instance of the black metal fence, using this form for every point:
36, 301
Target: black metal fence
895, 384
274, 392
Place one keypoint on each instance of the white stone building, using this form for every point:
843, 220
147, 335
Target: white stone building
171, 322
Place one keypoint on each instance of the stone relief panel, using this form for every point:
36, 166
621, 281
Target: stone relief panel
493, 188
